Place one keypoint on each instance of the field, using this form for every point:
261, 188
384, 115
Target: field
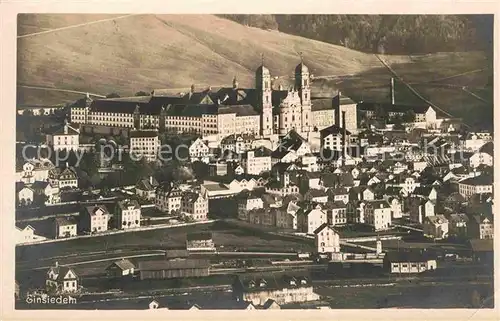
223, 235
207, 50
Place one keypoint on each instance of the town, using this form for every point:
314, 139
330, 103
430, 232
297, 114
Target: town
269, 196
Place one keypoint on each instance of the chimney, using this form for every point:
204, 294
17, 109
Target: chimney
57, 264
392, 91
344, 141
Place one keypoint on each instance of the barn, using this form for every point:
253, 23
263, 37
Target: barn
172, 269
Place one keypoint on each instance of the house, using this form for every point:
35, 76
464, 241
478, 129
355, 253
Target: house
409, 262
64, 138
355, 212
145, 144
127, 214
168, 198
199, 150
309, 219
339, 194
326, 239
309, 163
332, 138
26, 233
173, 269
200, 242
368, 194
396, 206
146, 188
336, 213
195, 205
257, 161
457, 225
484, 156
218, 168
120, 268
237, 143
270, 304
262, 216
428, 192
34, 170
61, 279
377, 214
480, 227
283, 290
436, 227
316, 195
24, 194
481, 184
420, 209
65, 227
94, 219
248, 203
282, 187
286, 218
63, 178
47, 192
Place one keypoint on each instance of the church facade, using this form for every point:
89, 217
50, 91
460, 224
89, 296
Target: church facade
262, 111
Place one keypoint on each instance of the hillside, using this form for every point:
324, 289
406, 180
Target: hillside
144, 52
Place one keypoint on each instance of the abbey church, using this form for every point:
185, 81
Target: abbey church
262, 111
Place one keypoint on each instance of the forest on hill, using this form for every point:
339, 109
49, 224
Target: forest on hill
384, 34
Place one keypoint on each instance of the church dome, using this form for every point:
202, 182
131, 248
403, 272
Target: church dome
301, 68
262, 70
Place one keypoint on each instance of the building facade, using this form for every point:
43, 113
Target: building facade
128, 214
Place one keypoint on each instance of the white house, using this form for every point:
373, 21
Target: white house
326, 239
62, 279
64, 138
65, 227
255, 162
475, 185
436, 227
63, 178
34, 170
128, 214
25, 194
27, 235
145, 144
378, 214
199, 150
310, 219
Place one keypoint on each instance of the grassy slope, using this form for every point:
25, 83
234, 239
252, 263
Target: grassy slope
173, 51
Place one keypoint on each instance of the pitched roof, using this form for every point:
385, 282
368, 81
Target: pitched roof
65, 130
322, 104
123, 264
335, 130
271, 283
66, 220
437, 219
125, 204
408, 256
177, 264
93, 209
478, 180
487, 148
143, 133
322, 227
146, 184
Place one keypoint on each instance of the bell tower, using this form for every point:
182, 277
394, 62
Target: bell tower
264, 93
303, 85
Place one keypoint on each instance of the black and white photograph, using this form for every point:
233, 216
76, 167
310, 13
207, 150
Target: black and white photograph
253, 161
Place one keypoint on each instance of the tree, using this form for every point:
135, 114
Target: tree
112, 95
141, 93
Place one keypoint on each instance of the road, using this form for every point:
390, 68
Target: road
74, 26
61, 90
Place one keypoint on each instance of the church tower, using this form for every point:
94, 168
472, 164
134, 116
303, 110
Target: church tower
264, 92
303, 85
